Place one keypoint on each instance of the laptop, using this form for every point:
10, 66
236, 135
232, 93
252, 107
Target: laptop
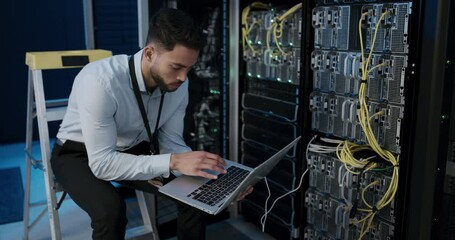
213, 195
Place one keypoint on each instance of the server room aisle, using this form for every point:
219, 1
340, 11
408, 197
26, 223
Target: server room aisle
75, 223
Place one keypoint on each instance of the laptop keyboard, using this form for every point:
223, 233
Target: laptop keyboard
216, 190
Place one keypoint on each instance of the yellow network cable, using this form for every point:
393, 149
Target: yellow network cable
345, 150
247, 29
277, 28
376, 114
384, 201
364, 120
363, 193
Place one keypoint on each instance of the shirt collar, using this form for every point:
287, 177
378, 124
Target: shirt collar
137, 69
140, 78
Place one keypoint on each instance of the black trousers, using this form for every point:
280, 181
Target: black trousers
106, 208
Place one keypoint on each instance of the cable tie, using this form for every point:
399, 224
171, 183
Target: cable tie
397, 165
375, 209
363, 81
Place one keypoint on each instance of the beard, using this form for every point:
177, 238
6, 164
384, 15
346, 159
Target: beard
159, 80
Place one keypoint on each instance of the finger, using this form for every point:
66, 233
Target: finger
245, 193
211, 155
212, 167
241, 197
213, 162
215, 157
248, 191
206, 175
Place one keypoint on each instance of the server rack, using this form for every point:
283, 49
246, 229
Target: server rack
406, 86
359, 66
269, 108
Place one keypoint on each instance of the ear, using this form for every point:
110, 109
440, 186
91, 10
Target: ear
149, 51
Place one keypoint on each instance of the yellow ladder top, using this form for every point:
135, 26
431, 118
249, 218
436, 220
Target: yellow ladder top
63, 59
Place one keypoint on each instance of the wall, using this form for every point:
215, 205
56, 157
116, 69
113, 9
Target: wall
33, 26
54, 25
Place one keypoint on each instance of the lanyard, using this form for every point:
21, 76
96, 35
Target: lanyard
154, 145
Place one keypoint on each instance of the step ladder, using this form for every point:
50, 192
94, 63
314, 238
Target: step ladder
46, 111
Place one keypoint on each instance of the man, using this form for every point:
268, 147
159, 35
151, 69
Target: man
102, 137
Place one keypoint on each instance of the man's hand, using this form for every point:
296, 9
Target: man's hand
242, 195
193, 163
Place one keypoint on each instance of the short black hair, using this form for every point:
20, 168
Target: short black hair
169, 27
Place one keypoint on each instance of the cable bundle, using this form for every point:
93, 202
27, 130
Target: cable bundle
246, 29
346, 149
277, 28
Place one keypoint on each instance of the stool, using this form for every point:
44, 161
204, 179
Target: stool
54, 110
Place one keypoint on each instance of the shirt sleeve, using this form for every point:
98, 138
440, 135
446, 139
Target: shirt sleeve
97, 108
171, 132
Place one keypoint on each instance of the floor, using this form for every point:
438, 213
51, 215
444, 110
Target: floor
75, 223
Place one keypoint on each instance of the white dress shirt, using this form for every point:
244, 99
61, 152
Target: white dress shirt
103, 113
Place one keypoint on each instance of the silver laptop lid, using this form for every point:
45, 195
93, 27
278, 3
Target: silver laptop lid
259, 172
